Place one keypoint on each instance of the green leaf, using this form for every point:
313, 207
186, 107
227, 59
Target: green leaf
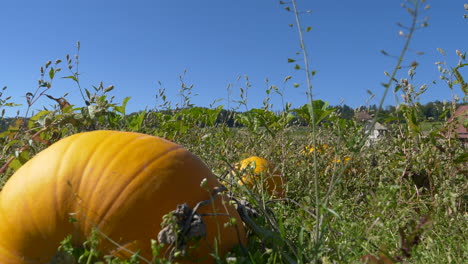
308, 29
291, 60
51, 73
333, 212
11, 143
15, 164
136, 121
39, 115
459, 78
463, 158
121, 108
21, 158
38, 118
297, 67
88, 93
71, 77
11, 104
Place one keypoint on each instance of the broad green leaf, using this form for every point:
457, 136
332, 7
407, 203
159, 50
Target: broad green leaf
121, 108
136, 121
39, 115
21, 158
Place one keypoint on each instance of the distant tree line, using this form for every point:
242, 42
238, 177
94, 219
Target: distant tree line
432, 111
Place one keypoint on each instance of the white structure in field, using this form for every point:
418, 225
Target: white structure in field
378, 132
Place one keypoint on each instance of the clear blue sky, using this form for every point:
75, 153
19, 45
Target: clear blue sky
135, 44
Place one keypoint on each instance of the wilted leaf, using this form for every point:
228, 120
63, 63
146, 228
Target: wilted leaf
441, 51
109, 88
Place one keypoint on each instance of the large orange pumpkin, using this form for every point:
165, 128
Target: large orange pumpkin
258, 172
119, 182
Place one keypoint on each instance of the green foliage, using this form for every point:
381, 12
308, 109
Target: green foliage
85, 254
320, 109
272, 123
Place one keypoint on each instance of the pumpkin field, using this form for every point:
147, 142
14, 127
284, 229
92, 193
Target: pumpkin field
92, 183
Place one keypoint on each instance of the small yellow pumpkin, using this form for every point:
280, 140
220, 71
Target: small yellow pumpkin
119, 182
256, 171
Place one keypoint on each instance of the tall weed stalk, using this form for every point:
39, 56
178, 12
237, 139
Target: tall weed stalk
312, 118
413, 10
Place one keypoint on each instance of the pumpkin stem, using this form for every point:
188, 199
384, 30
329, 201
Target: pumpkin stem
184, 225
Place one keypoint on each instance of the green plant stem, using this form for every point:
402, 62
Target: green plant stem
312, 117
76, 73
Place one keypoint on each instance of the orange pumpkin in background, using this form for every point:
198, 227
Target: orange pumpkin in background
119, 182
256, 171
